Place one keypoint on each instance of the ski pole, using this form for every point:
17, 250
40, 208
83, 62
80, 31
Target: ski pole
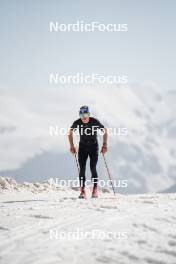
77, 164
110, 177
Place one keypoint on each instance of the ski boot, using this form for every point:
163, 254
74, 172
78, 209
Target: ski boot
95, 192
83, 193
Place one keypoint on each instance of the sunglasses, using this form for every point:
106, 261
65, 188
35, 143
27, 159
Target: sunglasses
84, 115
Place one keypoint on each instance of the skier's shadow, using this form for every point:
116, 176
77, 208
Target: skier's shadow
24, 201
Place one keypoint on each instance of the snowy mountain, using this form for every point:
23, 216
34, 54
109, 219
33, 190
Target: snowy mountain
171, 189
146, 157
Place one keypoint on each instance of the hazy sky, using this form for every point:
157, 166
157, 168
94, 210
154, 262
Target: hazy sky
29, 52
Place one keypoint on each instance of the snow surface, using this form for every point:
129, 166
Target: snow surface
33, 213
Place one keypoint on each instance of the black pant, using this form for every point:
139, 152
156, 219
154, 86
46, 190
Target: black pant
83, 153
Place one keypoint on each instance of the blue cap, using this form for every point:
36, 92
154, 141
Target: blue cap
84, 110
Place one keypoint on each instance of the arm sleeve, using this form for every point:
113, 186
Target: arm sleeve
74, 125
99, 124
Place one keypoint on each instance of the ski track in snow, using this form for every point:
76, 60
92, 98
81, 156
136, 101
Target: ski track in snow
149, 222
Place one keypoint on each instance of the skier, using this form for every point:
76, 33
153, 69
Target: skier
88, 146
